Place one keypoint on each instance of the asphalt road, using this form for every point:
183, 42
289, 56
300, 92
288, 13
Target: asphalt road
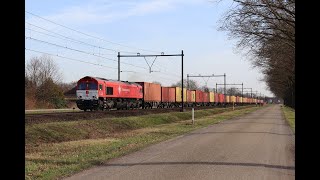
259, 145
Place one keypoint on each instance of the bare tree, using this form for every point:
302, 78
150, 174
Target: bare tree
220, 90
233, 92
265, 29
192, 84
254, 21
204, 88
42, 68
42, 77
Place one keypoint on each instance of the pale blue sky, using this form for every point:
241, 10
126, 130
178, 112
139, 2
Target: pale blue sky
167, 26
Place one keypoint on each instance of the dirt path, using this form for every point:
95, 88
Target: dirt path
259, 145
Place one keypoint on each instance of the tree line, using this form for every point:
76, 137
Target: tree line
265, 30
43, 86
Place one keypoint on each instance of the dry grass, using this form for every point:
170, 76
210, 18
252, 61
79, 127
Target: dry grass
65, 157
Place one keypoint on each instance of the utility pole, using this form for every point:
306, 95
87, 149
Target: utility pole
242, 91
225, 89
118, 66
182, 108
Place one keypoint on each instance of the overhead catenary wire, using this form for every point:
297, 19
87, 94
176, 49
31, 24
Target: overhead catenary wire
88, 62
158, 65
46, 42
88, 34
171, 61
78, 41
73, 59
70, 58
61, 38
81, 42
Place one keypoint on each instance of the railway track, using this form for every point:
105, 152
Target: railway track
74, 116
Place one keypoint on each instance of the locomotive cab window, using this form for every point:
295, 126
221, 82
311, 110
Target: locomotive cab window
109, 90
100, 86
82, 86
92, 86
87, 86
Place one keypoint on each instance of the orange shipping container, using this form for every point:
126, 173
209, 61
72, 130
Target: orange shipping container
151, 91
244, 100
191, 96
221, 98
216, 97
206, 97
168, 94
199, 96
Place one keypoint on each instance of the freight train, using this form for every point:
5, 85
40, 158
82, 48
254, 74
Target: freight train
94, 93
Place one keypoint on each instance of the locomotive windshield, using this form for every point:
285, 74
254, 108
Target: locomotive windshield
88, 86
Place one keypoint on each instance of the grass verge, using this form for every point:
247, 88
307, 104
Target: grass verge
289, 114
64, 148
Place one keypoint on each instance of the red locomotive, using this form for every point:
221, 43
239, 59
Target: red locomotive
98, 93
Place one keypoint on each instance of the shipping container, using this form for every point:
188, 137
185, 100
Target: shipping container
221, 98
191, 96
211, 99
168, 94
227, 99
199, 96
233, 99
237, 99
178, 94
244, 100
206, 97
151, 91
216, 97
